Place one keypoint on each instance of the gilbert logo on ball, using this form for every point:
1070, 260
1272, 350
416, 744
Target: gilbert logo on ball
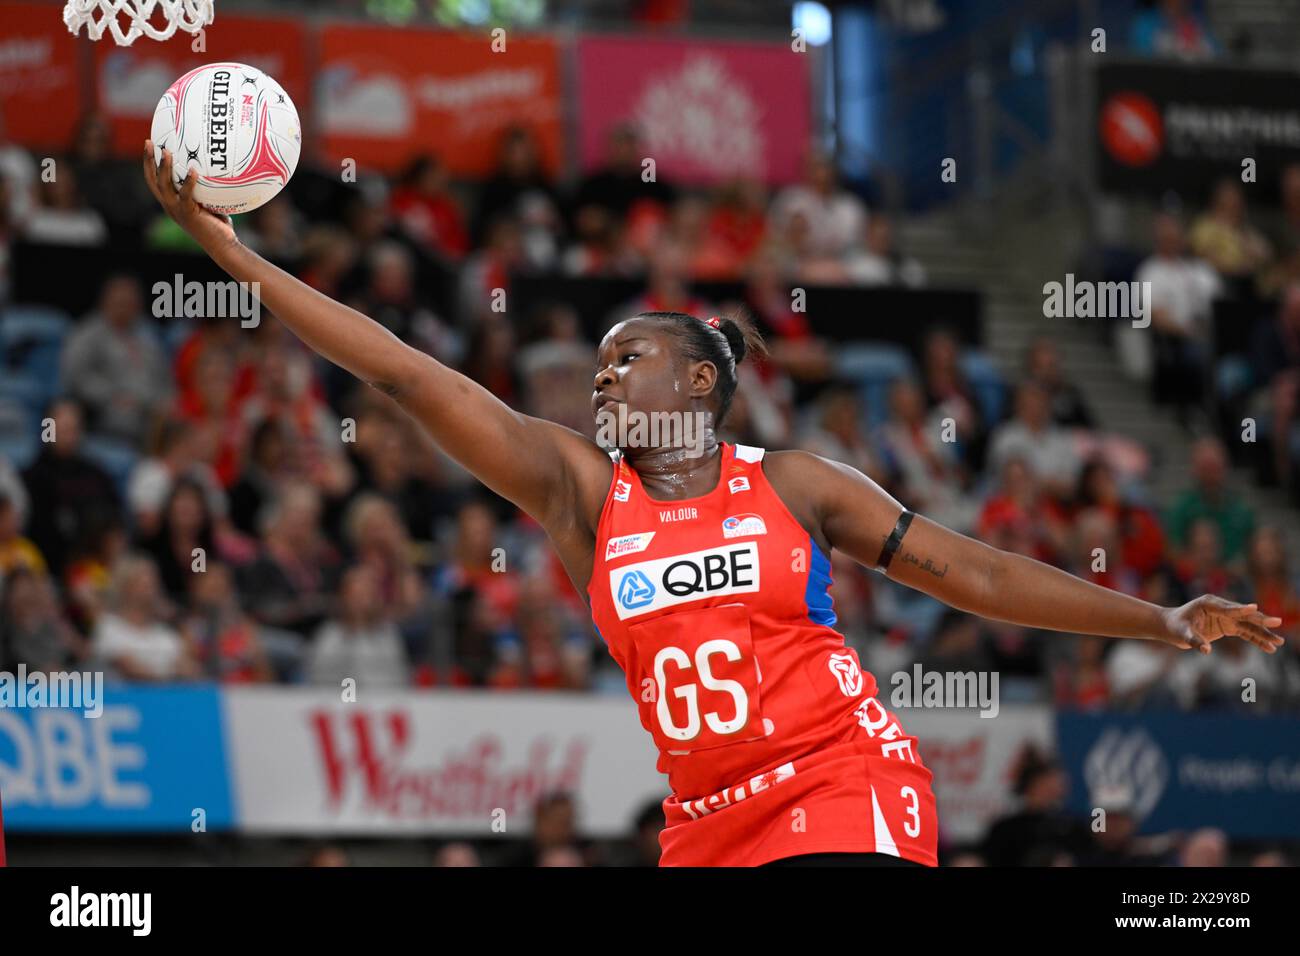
237, 127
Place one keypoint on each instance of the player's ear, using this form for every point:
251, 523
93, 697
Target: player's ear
701, 377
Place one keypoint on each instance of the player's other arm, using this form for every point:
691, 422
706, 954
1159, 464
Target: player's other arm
547, 470
859, 518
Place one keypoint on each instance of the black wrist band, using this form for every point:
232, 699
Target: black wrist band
894, 540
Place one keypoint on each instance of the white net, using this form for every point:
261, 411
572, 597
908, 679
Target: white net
98, 15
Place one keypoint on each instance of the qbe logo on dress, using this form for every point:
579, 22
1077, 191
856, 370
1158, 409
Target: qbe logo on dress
666, 582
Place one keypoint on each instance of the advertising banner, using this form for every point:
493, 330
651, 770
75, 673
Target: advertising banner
129, 80
706, 111
1179, 771
38, 66
1162, 126
385, 96
153, 760
456, 763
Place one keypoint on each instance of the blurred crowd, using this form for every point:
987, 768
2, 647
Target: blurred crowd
207, 501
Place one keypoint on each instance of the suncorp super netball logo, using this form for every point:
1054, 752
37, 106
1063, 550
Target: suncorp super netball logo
1131, 129
1131, 761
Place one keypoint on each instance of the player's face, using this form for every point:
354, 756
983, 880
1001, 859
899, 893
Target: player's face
638, 366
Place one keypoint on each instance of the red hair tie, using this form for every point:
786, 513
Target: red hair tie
715, 322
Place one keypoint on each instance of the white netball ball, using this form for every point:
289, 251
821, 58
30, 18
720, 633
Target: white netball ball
237, 127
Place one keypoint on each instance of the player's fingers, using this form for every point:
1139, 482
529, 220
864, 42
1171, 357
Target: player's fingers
1260, 636
151, 171
187, 188
167, 179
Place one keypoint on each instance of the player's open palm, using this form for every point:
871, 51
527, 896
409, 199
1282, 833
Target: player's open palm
208, 228
1199, 623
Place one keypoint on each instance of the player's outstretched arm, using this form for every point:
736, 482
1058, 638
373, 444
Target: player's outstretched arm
550, 472
858, 517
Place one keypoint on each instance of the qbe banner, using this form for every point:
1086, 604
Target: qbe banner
303, 761
152, 760
1180, 771
705, 111
974, 761
1163, 126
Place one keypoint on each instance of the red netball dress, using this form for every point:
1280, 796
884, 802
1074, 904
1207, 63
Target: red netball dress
718, 610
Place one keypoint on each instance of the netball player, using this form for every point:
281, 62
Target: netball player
708, 575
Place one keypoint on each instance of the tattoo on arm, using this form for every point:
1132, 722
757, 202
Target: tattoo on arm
928, 565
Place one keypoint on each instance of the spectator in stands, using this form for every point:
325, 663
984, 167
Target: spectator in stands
1033, 436
329, 256
1271, 584
644, 849
176, 456
667, 286
1283, 234
709, 256
879, 261
623, 181
600, 246
949, 393
1225, 239
1211, 496
19, 171
385, 460
423, 204
521, 190
119, 196
360, 642
554, 828
555, 370
88, 575
114, 364
8, 233
838, 432
61, 217
485, 276
1275, 366
834, 218
186, 538
1171, 353
378, 540
1142, 540
1079, 682
548, 649
16, 552
392, 299
1018, 517
801, 260
489, 360
1201, 568
1043, 365
275, 231
1098, 556
924, 470
292, 583
225, 639
738, 218
1042, 786
33, 629
132, 637
457, 853
1169, 29
67, 491
1116, 843
1205, 847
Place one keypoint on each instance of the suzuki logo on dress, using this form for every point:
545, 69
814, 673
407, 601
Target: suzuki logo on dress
635, 590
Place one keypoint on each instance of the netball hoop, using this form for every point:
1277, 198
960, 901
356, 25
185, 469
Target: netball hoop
139, 16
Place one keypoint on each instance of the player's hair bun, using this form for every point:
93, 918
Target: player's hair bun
735, 338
